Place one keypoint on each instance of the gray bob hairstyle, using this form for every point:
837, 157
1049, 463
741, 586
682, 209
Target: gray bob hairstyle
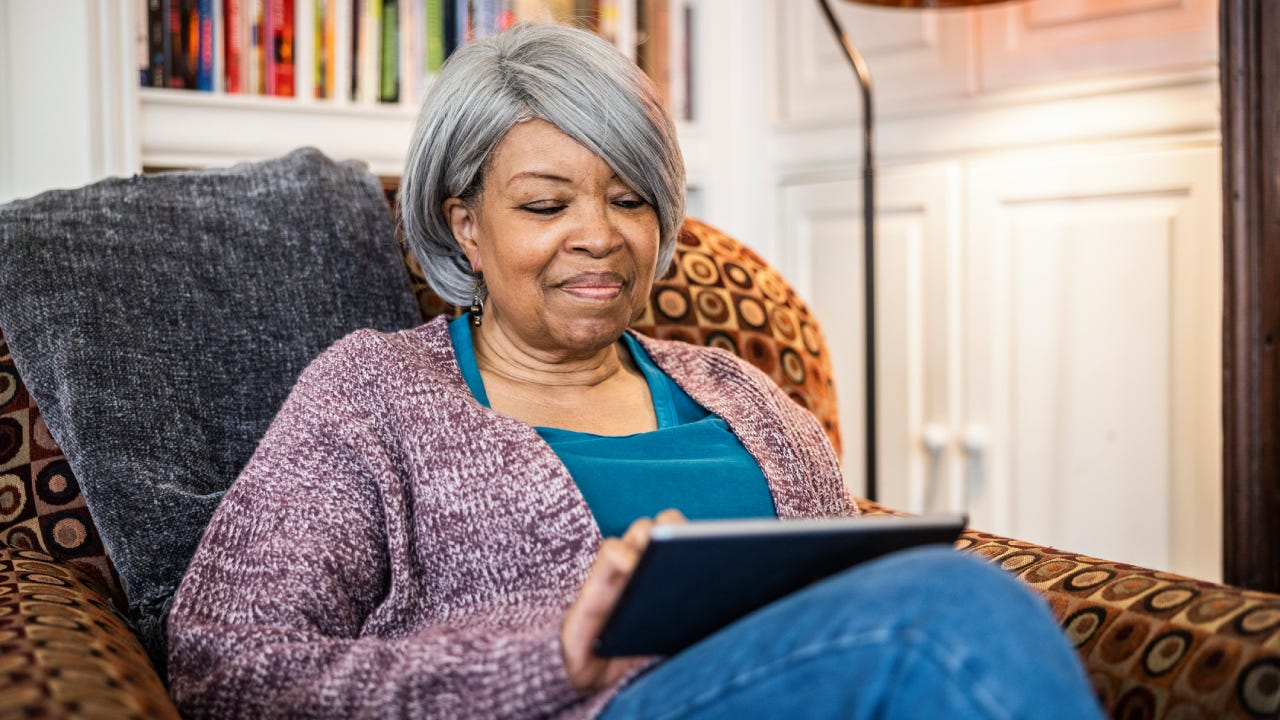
567, 77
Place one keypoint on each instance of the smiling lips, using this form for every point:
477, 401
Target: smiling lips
594, 286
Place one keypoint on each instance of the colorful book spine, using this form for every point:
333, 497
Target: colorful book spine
158, 40
325, 26
280, 50
233, 45
436, 46
412, 53
369, 52
190, 19
204, 45
389, 57
255, 54
506, 15
484, 18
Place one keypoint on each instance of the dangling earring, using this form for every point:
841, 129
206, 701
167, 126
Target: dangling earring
477, 301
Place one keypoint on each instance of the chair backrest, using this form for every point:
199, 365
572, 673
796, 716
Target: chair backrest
718, 293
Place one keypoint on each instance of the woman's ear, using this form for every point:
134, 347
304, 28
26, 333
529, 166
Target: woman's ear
462, 221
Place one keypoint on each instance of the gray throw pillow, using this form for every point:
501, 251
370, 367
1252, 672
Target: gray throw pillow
159, 322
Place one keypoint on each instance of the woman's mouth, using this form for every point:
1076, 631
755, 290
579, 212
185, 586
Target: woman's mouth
594, 286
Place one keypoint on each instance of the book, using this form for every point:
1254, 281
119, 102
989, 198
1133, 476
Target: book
158, 40
389, 57
325, 28
280, 48
233, 42
368, 51
203, 50
449, 21
484, 18
653, 51
189, 20
435, 40
255, 54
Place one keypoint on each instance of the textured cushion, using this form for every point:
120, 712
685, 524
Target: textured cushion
64, 652
41, 505
159, 321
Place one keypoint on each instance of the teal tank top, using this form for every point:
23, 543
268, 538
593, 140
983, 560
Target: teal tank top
692, 462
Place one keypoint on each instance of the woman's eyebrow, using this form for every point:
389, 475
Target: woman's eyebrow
550, 176
539, 175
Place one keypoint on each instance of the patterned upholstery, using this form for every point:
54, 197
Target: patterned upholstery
64, 652
41, 507
1156, 646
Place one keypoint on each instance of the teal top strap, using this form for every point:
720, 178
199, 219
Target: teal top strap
692, 462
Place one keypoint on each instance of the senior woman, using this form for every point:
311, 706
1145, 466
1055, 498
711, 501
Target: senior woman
439, 520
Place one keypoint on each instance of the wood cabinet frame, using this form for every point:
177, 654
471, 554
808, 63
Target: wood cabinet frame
1250, 76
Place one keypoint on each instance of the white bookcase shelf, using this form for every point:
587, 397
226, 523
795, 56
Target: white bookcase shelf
185, 129
181, 128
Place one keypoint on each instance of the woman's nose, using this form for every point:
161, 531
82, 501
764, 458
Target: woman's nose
597, 234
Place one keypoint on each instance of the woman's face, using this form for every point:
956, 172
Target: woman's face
567, 250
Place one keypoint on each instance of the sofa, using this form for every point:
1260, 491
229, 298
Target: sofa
72, 642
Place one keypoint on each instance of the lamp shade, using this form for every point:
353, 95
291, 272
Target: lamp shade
926, 3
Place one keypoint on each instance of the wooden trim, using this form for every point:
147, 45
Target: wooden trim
1250, 73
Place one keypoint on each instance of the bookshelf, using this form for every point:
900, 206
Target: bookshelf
180, 128
81, 114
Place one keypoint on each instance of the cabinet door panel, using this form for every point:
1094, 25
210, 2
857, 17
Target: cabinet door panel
911, 56
917, 251
1053, 40
1093, 332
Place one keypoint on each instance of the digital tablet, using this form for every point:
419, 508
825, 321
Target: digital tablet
696, 578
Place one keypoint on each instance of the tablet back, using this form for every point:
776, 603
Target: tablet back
696, 578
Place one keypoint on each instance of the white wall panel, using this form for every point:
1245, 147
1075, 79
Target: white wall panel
912, 56
1092, 337
1051, 40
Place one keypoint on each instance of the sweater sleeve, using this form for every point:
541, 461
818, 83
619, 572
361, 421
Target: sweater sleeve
271, 619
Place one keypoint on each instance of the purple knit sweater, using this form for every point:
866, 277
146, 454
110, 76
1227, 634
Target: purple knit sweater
395, 549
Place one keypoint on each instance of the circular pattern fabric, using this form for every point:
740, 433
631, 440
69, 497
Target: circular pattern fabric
1156, 645
64, 652
41, 505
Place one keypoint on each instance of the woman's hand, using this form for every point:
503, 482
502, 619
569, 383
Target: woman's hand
585, 618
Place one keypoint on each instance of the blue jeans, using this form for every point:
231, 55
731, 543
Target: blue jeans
926, 633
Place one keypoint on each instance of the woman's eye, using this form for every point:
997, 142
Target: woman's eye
630, 203
543, 208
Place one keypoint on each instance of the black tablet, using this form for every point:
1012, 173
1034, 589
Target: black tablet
696, 578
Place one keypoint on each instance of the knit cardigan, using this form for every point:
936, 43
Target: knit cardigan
395, 549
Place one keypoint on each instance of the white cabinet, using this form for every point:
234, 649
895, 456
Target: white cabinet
1091, 348
1038, 42
918, 250
1048, 332
1048, 266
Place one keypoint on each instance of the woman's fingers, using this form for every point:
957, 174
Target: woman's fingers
637, 536
670, 516
587, 615
609, 574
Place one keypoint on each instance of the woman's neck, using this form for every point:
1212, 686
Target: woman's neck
506, 356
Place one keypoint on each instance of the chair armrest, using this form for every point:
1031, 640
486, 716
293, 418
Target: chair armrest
64, 652
1154, 644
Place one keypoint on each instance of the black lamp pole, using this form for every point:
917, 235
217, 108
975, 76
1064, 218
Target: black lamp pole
868, 243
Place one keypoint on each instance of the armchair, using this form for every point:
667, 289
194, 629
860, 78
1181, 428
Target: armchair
1155, 645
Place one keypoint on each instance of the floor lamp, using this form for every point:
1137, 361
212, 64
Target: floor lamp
869, 209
